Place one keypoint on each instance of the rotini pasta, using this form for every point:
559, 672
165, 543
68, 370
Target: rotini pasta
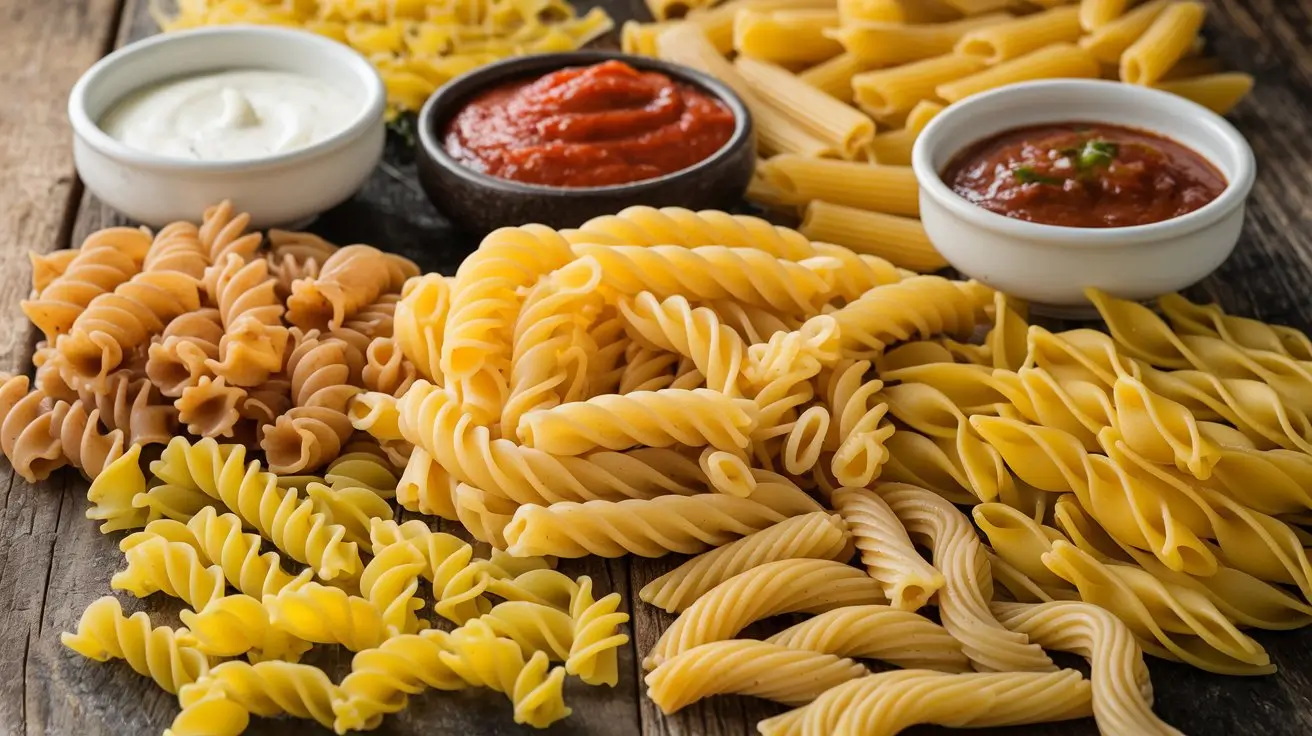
886, 551
878, 632
104, 633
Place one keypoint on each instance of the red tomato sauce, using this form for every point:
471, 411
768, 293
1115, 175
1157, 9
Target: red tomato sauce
589, 126
1084, 175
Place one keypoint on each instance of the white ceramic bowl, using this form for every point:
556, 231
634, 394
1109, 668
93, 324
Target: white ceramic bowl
284, 189
1049, 265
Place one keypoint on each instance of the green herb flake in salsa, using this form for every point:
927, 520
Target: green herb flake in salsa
1084, 175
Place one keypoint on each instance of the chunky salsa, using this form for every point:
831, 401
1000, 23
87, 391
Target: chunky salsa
1084, 175
589, 126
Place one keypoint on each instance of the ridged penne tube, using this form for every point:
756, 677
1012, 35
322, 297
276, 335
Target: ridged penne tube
891, 44
687, 44
898, 89
1023, 35
786, 586
786, 36
714, 272
893, 147
1122, 690
890, 189
650, 528
695, 418
747, 667
968, 583
696, 332
1095, 14
878, 11
834, 77
1058, 61
1217, 92
104, 633
878, 632
849, 130
1109, 40
922, 306
816, 535
1166, 41
886, 551
899, 240
717, 22
886, 703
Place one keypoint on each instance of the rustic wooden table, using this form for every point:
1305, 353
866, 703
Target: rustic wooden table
53, 561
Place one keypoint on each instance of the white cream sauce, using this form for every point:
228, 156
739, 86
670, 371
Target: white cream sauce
231, 115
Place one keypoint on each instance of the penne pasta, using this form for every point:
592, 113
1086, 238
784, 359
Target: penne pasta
899, 240
786, 36
1023, 35
976, 7
929, 11
1095, 14
640, 38
1193, 66
1052, 3
687, 44
1108, 42
769, 196
888, 189
834, 77
871, 11
898, 89
1058, 61
668, 9
894, 147
848, 129
1170, 37
889, 44
717, 22
1217, 92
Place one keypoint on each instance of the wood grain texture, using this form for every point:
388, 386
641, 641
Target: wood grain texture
53, 562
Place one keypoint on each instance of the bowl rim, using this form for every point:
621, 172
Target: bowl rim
443, 104
1238, 185
371, 110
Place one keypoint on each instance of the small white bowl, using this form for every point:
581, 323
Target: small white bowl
283, 189
1051, 266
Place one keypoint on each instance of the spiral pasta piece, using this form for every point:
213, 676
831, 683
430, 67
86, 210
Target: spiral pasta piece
211, 408
239, 624
131, 405
46, 267
1189, 318
751, 276
859, 272
349, 279
420, 323
86, 447
1122, 691
662, 418
29, 432
786, 586
674, 324
104, 633
858, 434
878, 632
323, 375
918, 307
642, 225
382, 678
817, 535
886, 551
391, 583
593, 653
255, 339
268, 689
174, 568
177, 247
888, 702
482, 659
535, 627
179, 358
747, 667
386, 369
650, 527
326, 615
107, 259
968, 583
113, 493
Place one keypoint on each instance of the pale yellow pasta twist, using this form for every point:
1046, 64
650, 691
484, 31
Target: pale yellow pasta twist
647, 369
255, 339
326, 615
268, 689
364, 465
104, 633
786, 586
29, 436
650, 527
886, 703
132, 406
426, 487
382, 678
641, 225
351, 507
1189, 318
859, 272
113, 493
535, 627
349, 279
1122, 691
593, 652
748, 275
755, 324
968, 582
922, 306
817, 535
237, 625
606, 367
107, 259
886, 550
386, 368
727, 472
482, 659
174, 568
280, 516
674, 324
747, 667
420, 323
391, 583
878, 632
662, 418
324, 374
858, 434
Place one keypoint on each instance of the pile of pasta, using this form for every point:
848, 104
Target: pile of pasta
840, 89
416, 45
825, 433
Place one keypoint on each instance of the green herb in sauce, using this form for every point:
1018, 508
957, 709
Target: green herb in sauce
1097, 153
1027, 175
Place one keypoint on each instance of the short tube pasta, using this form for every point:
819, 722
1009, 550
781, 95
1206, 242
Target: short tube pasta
1217, 92
1108, 42
1095, 14
876, 11
889, 91
834, 77
847, 129
1058, 61
889, 189
786, 36
889, 44
1023, 35
717, 22
900, 240
1167, 40
894, 147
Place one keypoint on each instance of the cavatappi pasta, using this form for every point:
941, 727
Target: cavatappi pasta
879, 70
819, 427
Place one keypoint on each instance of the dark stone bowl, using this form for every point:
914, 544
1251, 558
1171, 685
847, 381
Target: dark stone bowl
479, 203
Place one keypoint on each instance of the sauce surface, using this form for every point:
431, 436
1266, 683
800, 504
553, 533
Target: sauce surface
589, 126
1088, 175
231, 115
